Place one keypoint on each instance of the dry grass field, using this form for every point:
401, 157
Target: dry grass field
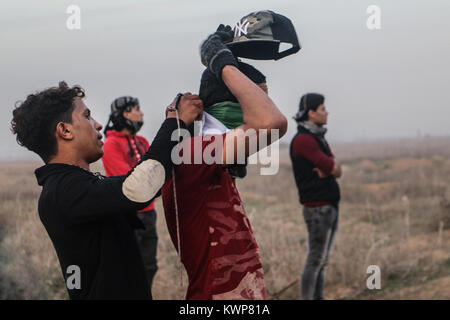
394, 213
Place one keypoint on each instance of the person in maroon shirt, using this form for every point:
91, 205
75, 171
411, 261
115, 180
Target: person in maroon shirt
123, 149
204, 212
315, 172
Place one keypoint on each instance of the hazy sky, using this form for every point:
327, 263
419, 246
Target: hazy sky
386, 83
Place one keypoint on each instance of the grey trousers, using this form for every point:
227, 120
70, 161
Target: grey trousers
322, 224
148, 242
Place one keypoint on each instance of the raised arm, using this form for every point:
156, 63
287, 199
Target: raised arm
259, 111
145, 180
93, 199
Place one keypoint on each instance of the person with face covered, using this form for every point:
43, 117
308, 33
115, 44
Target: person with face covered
222, 111
205, 215
123, 149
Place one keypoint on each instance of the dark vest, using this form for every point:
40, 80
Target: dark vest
311, 188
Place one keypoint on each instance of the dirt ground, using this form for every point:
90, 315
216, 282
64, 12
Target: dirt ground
394, 213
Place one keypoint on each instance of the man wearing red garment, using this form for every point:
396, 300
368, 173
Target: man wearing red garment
123, 149
315, 171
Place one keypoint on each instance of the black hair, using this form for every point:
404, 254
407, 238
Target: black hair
35, 119
309, 101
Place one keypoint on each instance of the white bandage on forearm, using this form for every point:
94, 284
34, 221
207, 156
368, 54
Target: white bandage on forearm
144, 182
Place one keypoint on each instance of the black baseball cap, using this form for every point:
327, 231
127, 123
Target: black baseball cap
258, 36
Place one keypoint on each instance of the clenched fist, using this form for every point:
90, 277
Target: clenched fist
189, 108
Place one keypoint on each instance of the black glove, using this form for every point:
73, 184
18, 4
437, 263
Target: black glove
213, 52
225, 33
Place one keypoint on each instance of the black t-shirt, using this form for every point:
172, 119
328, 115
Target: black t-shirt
90, 223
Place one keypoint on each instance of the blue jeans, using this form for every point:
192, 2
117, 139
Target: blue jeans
322, 224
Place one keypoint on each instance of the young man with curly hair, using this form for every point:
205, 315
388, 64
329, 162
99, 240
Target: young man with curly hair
90, 218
